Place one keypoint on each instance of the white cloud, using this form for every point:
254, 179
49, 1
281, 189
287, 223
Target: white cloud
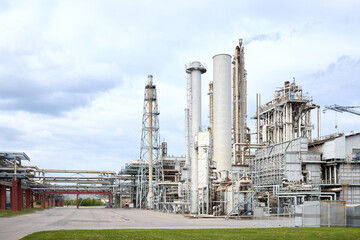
72, 73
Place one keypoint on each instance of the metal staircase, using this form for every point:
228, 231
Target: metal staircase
250, 194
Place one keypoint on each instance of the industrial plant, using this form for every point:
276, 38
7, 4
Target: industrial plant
228, 169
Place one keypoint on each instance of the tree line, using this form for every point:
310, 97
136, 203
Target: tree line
85, 202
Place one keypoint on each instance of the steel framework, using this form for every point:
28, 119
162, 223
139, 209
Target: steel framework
151, 169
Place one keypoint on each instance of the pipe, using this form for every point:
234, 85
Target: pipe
242, 145
257, 118
319, 122
195, 69
187, 143
211, 103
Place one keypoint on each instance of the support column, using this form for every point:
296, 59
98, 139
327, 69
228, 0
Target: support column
109, 200
77, 200
20, 196
14, 196
27, 198
43, 200
2, 197
48, 201
31, 199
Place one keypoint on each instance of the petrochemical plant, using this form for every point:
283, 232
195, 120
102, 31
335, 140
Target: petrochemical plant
228, 170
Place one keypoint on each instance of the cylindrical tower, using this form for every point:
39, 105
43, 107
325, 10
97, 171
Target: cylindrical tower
222, 112
195, 69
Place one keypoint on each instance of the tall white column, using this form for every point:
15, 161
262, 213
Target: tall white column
196, 69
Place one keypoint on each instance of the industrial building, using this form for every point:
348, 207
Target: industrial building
231, 170
227, 170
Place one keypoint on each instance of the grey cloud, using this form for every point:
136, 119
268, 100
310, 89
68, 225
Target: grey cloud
51, 99
9, 134
342, 64
337, 84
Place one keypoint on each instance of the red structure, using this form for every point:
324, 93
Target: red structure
20, 196
16, 196
2, 197
77, 195
27, 199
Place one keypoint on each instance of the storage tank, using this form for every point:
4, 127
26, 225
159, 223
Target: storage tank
222, 112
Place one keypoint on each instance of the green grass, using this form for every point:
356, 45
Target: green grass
9, 213
246, 233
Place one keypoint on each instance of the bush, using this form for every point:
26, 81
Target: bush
85, 202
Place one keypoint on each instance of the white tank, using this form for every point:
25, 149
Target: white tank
222, 112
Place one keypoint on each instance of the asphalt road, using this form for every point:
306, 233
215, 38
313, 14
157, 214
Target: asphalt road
102, 218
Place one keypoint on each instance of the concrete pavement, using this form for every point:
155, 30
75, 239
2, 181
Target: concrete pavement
102, 218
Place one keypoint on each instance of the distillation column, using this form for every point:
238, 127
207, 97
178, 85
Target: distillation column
222, 113
195, 69
239, 104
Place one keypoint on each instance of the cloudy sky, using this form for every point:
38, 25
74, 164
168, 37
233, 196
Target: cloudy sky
72, 73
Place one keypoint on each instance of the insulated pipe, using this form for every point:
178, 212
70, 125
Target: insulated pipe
257, 118
319, 123
242, 145
222, 112
187, 143
195, 69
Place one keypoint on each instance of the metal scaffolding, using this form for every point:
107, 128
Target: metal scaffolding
151, 169
287, 116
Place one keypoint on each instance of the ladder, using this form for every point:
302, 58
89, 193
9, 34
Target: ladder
250, 194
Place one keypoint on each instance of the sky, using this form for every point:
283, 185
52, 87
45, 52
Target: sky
72, 73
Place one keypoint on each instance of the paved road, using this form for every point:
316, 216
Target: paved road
100, 218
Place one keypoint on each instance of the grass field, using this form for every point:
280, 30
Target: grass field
246, 233
9, 213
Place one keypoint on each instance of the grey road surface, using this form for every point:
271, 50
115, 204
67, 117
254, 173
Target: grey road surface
101, 218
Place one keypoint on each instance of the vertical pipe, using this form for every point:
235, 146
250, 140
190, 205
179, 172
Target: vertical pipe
77, 200
236, 81
299, 126
189, 118
257, 118
195, 128
195, 69
187, 143
211, 103
309, 123
318, 123
326, 175
150, 99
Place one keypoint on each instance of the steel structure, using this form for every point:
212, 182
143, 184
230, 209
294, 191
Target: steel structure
287, 116
241, 136
342, 109
151, 170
